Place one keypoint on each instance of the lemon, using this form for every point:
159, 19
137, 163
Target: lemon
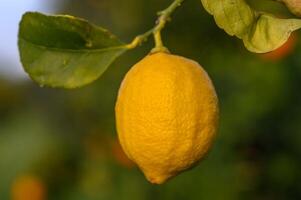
166, 115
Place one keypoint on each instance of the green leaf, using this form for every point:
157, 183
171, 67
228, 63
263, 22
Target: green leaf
64, 51
260, 32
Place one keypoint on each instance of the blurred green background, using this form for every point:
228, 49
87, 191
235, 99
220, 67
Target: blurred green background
62, 143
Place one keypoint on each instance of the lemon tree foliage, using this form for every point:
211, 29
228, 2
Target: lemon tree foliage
68, 52
64, 51
260, 32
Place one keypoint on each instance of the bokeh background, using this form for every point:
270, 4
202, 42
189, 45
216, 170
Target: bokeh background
61, 144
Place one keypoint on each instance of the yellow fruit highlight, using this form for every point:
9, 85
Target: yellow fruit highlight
28, 188
166, 115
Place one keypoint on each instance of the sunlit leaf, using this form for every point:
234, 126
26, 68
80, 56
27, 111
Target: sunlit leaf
260, 32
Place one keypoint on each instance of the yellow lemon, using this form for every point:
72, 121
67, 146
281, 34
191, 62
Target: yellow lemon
166, 115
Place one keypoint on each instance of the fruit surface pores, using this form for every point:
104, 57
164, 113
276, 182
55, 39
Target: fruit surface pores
166, 115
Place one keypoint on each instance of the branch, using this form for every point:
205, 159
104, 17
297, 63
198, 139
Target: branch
164, 17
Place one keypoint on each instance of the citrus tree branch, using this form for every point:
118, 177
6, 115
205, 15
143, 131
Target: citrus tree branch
164, 17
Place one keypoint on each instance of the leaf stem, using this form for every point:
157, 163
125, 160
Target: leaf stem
164, 17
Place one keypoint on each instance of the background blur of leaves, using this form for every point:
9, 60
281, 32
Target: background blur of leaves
67, 138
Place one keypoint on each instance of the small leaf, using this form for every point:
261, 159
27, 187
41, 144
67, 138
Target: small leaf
64, 51
269, 33
234, 16
260, 32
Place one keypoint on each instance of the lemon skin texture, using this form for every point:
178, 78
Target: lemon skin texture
166, 115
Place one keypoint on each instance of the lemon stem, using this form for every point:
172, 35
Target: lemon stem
164, 17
